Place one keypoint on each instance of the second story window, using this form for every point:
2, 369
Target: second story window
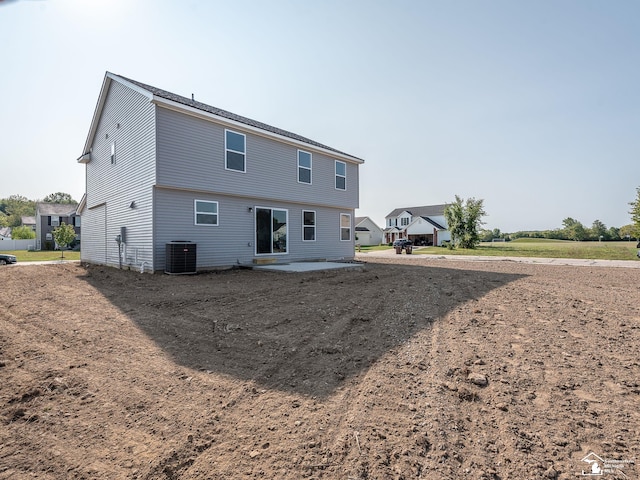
235, 151
304, 167
404, 221
341, 175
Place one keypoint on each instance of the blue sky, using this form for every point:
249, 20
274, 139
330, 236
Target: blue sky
532, 106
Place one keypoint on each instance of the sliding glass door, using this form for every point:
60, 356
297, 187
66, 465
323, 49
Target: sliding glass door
271, 231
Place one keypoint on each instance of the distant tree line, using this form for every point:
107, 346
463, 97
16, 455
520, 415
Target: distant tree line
14, 207
571, 230
574, 230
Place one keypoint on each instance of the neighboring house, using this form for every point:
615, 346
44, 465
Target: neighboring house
423, 225
29, 222
5, 233
161, 167
367, 232
49, 216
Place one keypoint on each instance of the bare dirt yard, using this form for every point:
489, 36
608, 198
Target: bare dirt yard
429, 369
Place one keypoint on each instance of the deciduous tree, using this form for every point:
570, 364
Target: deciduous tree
626, 232
464, 219
64, 235
635, 215
599, 230
59, 197
15, 207
574, 230
22, 233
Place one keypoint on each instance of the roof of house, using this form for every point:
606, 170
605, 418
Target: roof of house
28, 220
189, 102
63, 209
425, 211
5, 232
359, 220
434, 223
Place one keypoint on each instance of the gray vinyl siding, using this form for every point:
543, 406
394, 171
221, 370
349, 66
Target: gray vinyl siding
39, 243
94, 236
128, 119
232, 242
164, 160
191, 155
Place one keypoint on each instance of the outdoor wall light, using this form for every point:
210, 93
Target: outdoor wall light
249, 209
132, 205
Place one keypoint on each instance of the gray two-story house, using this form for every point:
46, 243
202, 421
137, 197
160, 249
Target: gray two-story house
50, 216
161, 167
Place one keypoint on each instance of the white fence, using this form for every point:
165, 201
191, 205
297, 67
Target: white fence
17, 244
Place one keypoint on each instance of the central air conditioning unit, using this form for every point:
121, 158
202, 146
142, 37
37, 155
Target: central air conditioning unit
180, 258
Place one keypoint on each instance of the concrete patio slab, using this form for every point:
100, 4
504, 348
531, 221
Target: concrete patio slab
300, 267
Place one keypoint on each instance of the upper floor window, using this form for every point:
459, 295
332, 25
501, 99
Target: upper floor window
341, 175
304, 167
404, 221
235, 151
76, 221
308, 225
54, 221
345, 226
206, 213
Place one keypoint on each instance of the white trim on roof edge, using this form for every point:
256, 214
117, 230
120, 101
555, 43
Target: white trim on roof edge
177, 106
108, 78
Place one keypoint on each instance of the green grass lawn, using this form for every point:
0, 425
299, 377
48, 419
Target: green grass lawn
44, 255
544, 248
372, 248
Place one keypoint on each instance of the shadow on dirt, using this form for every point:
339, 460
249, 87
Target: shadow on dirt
302, 333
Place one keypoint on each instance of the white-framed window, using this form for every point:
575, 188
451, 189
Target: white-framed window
55, 221
345, 227
235, 148
404, 221
49, 236
77, 222
205, 213
308, 226
341, 175
304, 167
113, 153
